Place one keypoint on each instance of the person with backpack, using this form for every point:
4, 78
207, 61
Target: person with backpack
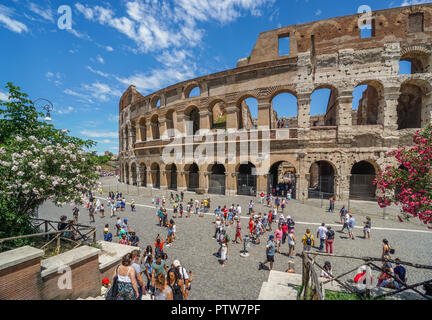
159, 246
330, 236
290, 223
185, 276
321, 234
308, 240
176, 284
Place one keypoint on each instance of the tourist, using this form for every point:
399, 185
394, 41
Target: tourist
291, 243
270, 220
180, 210
239, 210
102, 210
182, 196
91, 211
342, 213
251, 226
162, 290
118, 226
385, 279
281, 220
158, 267
330, 236
170, 237
148, 272
347, 217
238, 231
350, 227
290, 223
217, 227
175, 282
126, 280
147, 253
118, 204
160, 216
367, 227
332, 203
106, 286
308, 240
262, 197
175, 208
107, 235
133, 239
123, 240
62, 225
283, 205
251, 205
125, 225
277, 203
399, 274
258, 230
159, 245
278, 236
327, 272
270, 251
321, 234
135, 254
133, 206
113, 208
185, 276
264, 221
224, 248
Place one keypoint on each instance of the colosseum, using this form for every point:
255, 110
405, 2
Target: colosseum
211, 144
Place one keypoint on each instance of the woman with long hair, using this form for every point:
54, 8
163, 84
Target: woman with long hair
175, 282
126, 279
162, 289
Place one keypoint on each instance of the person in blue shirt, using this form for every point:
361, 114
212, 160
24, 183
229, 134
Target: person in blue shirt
350, 227
400, 274
270, 252
107, 235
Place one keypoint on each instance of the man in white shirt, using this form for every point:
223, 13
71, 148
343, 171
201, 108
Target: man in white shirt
239, 210
321, 234
185, 277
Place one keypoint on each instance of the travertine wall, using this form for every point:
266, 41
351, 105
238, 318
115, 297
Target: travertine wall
324, 54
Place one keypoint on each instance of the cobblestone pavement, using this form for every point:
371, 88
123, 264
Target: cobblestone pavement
240, 278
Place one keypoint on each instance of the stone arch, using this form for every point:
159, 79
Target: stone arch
143, 174
371, 106
192, 114
171, 117
188, 89
155, 175
218, 115
217, 178
171, 173
134, 172
322, 179
278, 120
192, 176
143, 128
418, 56
246, 179
245, 118
155, 125
154, 101
414, 104
318, 118
363, 174
282, 177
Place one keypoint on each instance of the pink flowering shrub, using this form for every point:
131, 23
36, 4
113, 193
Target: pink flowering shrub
410, 181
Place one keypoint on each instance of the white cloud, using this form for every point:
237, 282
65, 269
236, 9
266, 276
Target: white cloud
67, 110
414, 2
99, 134
102, 74
105, 141
56, 78
4, 96
100, 59
158, 25
9, 23
102, 91
77, 94
318, 12
113, 118
45, 13
79, 34
108, 48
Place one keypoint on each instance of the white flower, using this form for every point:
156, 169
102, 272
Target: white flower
19, 139
20, 174
14, 168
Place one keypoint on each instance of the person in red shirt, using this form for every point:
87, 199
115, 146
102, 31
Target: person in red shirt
238, 231
225, 213
251, 226
270, 220
159, 242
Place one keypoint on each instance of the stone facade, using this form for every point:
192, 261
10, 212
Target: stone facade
334, 153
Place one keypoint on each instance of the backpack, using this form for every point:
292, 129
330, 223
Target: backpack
158, 252
308, 240
291, 223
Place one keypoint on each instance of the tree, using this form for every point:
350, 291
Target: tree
37, 163
409, 183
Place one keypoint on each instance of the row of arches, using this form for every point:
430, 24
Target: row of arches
368, 108
281, 178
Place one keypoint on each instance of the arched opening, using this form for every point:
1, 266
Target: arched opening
155, 127
413, 62
193, 124
143, 129
217, 179
192, 177
170, 123
134, 174
361, 181
126, 139
248, 115
171, 171
410, 106
155, 102
143, 175
193, 92
219, 116
246, 180
321, 180
127, 173
284, 111
368, 103
155, 173
323, 106
282, 179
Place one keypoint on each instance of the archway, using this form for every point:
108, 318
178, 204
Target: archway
246, 179
155, 127
127, 173
194, 118
143, 175
411, 104
413, 61
219, 116
143, 129
155, 173
323, 106
284, 111
321, 180
172, 176
282, 179
134, 174
217, 179
361, 182
192, 177
366, 104
248, 115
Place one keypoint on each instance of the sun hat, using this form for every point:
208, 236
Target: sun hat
106, 230
105, 281
176, 263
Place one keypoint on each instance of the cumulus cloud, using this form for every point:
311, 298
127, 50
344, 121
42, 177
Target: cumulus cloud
66, 110
9, 23
414, 2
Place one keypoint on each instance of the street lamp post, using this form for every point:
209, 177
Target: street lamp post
47, 107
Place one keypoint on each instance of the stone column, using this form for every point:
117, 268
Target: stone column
233, 113
181, 123
203, 180
391, 95
163, 128
138, 133
261, 183
181, 179
149, 178
231, 180
303, 110
163, 178
427, 109
205, 120
343, 117
264, 108
149, 130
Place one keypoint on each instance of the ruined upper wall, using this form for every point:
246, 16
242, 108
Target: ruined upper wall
330, 35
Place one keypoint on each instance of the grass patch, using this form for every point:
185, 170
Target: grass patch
334, 295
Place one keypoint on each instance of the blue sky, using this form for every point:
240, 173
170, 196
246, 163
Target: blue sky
149, 43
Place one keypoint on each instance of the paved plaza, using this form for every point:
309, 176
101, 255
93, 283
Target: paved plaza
240, 278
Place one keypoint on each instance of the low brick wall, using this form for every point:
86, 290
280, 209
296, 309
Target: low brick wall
24, 276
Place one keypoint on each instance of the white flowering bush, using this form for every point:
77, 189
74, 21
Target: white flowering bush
38, 163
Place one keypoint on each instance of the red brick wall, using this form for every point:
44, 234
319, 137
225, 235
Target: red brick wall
21, 282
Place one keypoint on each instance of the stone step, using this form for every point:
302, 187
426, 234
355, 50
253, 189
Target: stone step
271, 291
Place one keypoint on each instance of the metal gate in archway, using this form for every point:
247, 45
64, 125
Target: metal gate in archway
285, 187
324, 189
362, 187
217, 184
246, 184
193, 182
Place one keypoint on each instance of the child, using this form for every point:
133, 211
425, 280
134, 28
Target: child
106, 285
